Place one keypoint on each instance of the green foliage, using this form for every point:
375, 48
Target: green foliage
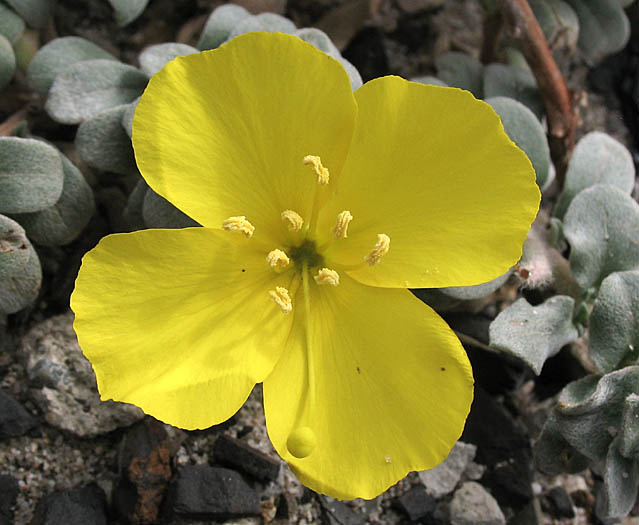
126, 11
597, 159
14, 249
56, 56
621, 481
500, 80
553, 455
35, 12
558, 21
7, 62
87, 88
31, 175
154, 58
614, 325
526, 131
219, 25
462, 71
269, 22
601, 226
534, 333
11, 25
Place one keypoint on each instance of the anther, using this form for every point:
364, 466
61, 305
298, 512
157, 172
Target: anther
379, 250
301, 442
277, 259
340, 230
239, 223
282, 299
293, 220
327, 276
322, 172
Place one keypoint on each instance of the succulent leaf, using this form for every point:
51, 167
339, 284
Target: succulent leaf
126, 11
513, 82
534, 333
14, 248
11, 25
553, 455
621, 481
601, 226
461, 70
154, 58
7, 62
219, 25
35, 12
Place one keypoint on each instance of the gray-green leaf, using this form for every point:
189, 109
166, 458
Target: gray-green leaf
88, 88
621, 480
104, 144
126, 11
154, 58
629, 436
534, 333
614, 321
63, 222
14, 248
219, 25
514, 82
35, 12
7, 62
557, 20
31, 175
523, 128
11, 25
601, 226
468, 293
597, 159
553, 455
58, 55
23, 287
269, 22
462, 71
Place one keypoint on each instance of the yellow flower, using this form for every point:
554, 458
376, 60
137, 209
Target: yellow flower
319, 208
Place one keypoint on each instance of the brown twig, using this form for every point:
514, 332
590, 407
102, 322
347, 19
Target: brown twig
562, 120
7, 127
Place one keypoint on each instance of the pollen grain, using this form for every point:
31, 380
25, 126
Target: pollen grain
282, 299
379, 250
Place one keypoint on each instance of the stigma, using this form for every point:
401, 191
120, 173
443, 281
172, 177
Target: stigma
239, 223
340, 230
293, 220
327, 276
277, 259
320, 170
379, 250
281, 297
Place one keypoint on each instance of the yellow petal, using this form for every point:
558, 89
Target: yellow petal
179, 322
393, 387
431, 168
223, 133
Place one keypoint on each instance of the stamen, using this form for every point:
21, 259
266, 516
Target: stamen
340, 230
293, 220
327, 276
239, 223
301, 442
322, 172
379, 250
282, 299
277, 259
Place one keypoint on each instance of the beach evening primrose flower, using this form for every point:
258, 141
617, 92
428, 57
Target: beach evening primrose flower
319, 208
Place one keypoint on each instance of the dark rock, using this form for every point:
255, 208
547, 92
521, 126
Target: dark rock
367, 53
337, 513
506, 453
559, 503
286, 505
214, 493
238, 454
80, 506
8, 492
145, 463
14, 419
417, 504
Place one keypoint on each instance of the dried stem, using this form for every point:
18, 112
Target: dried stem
562, 119
7, 127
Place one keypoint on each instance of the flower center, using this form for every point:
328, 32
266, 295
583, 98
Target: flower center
306, 253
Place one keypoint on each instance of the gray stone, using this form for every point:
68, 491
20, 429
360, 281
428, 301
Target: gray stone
63, 383
444, 477
14, 419
472, 504
80, 506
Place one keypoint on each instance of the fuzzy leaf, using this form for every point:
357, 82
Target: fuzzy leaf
7, 62
160, 213
629, 436
589, 410
534, 333
104, 144
22, 287
126, 11
429, 80
614, 322
127, 117
603, 27
597, 159
553, 455
462, 71
31, 175
11, 25
601, 226
88, 88
14, 248
621, 481
58, 55
501, 80
468, 293
133, 210
269, 22
558, 21
319, 39
35, 12
523, 128
63, 222
220, 24
154, 58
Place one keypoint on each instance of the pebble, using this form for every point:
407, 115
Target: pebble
8, 492
14, 419
559, 503
472, 504
214, 493
238, 454
337, 513
443, 479
63, 383
79, 506
417, 504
